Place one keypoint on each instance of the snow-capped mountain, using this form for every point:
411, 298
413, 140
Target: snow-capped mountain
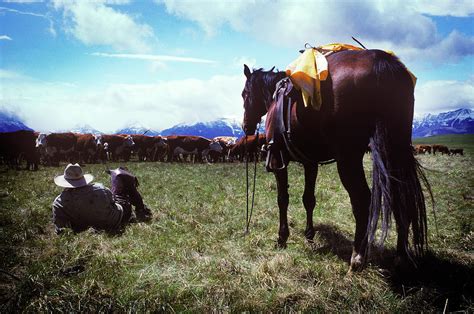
9, 122
210, 129
83, 129
136, 128
459, 121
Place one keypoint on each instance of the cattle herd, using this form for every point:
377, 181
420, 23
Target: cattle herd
436, 148
49, 149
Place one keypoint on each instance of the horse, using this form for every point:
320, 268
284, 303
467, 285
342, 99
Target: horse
367, 98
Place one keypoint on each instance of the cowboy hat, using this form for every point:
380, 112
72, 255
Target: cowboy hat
73, 177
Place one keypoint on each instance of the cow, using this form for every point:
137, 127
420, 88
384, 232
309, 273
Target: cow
114, 146
54, 147
162, 150
19, 145
226, 142
249, 146
422, 149
147, 147
194, 146
440, 148
455, 151
86, 148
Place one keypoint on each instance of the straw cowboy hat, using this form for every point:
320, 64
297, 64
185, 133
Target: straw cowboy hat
73, 177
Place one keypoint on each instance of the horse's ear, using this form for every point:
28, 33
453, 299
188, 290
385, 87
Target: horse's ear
247, 71
271, 70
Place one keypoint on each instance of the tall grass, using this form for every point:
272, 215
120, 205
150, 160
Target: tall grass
193, 255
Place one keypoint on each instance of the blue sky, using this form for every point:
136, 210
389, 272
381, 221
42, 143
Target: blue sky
159, 63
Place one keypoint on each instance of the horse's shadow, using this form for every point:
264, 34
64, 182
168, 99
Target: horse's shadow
441, 278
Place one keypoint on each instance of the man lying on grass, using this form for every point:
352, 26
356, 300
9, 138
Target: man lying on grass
83, 205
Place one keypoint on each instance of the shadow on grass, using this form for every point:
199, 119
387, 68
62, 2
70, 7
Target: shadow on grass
440, 279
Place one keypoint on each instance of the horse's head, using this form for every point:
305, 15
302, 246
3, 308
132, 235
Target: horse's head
257, 96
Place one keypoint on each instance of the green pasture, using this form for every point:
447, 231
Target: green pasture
193, 256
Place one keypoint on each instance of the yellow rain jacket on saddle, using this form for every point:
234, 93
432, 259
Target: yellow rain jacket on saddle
311, 67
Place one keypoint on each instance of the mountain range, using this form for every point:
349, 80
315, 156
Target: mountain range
137, 128
459, 121
211, 129
9, 122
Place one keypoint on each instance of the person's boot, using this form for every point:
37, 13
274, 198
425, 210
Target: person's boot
143, 214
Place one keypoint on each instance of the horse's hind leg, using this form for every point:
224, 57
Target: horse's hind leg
283, 200
351, 172
309, 200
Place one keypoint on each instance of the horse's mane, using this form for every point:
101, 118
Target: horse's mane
268, 81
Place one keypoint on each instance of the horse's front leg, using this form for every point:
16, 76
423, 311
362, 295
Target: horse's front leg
309, 200
283, 200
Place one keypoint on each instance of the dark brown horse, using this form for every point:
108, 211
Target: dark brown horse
367, 98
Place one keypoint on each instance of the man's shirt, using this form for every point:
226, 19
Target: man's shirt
84, 207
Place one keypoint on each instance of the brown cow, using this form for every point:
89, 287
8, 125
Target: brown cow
226, 142
422, 149
251, 147
147, 147
440, 148
86, 148
188, 145
162, 151
456, 151
114, 146
19, 145
54, 147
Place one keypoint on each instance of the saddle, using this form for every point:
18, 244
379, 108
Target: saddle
277, 158
281, 148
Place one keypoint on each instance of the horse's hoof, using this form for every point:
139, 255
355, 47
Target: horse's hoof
280, 244
309, 235
357, 263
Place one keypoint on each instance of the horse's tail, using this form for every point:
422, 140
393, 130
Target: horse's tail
396, 187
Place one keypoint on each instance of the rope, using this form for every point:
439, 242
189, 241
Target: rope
249, 215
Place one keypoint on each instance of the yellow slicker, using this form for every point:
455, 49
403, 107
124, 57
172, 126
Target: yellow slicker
306, 72
311, 67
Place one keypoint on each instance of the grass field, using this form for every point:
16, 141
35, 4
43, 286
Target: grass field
193, 255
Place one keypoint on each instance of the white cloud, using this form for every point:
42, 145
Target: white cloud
5, 37
159, 105
51, 28
458, 8
95, 23
441, 96
396, 25
155, 58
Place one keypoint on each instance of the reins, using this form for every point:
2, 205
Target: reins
249, 213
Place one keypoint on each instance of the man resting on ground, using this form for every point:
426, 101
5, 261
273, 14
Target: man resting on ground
83, 205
